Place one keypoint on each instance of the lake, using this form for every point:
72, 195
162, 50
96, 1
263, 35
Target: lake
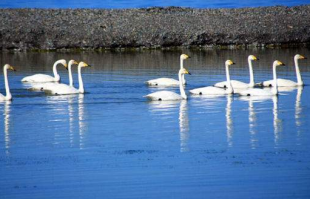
145, 4
113, 143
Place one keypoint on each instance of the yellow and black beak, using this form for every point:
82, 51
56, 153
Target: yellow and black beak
12, 68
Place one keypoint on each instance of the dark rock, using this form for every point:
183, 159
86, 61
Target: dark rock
28, 29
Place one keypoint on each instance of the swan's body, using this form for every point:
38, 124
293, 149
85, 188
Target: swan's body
8, 96
169, 81
238, 84
64, 89
286, 82
211, 90
169, 95
262, 92
52, 85
41, 78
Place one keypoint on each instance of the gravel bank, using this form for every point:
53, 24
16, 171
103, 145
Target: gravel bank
30, 29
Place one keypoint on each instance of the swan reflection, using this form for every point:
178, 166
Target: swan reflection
298, 107
253, 117
7, 110
277, 123
184, 126
82, 125
229, 122
71, 120
165, 108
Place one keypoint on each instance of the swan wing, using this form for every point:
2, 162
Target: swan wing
281, 83
256, 92
163, 82
164, 96
62, 89
44, 86
234, 83
40, 78
209, 90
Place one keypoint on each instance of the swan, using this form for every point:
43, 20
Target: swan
211, 90
50, 85
286, 82
169, 81
262, 92
40, 78
8, 96
168, 95
64, 89
239, 84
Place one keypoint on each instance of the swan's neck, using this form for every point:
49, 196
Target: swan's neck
56, 76
181, 67
183, 94
181, 63
229, 86
275, 80
6, 82
251, 84
298, 75
81, 86
70, 75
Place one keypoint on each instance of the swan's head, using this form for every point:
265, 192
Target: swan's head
184, 56
63, 62
278, 63
71, 62
9, 67
83, 64
298, 56
229, 62
252, 57
184, 71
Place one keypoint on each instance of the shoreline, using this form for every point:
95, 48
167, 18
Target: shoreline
154, 28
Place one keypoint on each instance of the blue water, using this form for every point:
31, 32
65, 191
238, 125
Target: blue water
144, 4
113, 143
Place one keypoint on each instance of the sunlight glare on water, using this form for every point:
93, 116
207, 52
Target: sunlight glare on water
113, 143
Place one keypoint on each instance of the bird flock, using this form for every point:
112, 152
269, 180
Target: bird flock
50, 84
229, 86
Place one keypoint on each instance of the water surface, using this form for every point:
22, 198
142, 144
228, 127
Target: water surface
113, 143
143, 4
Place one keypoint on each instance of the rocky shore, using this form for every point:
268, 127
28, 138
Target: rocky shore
50, 29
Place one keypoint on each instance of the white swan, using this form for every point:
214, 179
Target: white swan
168, 95
64, 89
168, 81
8, 96
286, 82
262, 92
40, 78
211, 90
50, 85
239, 84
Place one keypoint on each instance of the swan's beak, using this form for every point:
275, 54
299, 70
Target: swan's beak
189, 73
12, 68
233, 63
281, 64
88, 65
302, 57
75, 62
188, 56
